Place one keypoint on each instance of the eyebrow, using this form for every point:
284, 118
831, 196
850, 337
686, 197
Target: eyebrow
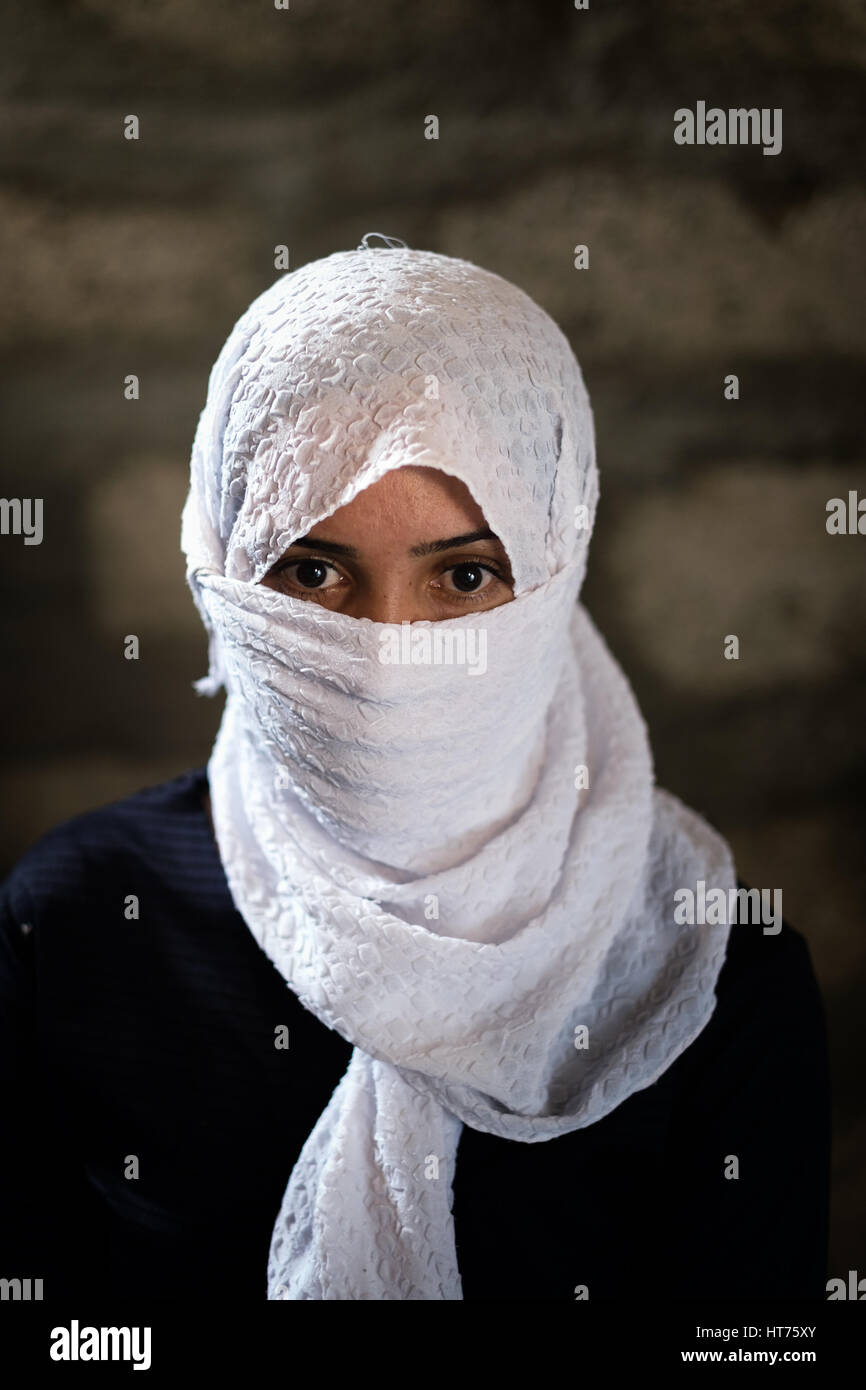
331, 547
424, 548
433, 547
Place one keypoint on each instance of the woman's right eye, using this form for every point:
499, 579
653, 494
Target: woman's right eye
312, 574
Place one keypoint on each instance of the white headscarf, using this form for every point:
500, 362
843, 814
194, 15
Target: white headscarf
415, 849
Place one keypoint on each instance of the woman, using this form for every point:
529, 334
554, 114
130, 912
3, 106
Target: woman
503, 1067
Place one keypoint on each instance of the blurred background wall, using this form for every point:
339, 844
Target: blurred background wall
305, 127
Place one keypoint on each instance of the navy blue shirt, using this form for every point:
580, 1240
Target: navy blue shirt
145, 1045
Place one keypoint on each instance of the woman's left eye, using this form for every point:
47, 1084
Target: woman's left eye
468, 578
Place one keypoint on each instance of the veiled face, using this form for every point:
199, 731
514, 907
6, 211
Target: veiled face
413, 546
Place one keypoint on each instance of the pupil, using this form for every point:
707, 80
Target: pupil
467, 577
311, 573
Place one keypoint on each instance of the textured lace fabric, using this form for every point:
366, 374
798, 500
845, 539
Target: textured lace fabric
415, 849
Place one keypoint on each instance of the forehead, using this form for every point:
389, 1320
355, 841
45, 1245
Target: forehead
413, 498
338, 384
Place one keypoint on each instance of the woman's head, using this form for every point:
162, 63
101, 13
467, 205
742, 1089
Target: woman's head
393, 486
385, 359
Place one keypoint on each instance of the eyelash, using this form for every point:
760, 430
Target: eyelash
479, 593
452, 593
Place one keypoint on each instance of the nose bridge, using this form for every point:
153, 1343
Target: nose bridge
389, 599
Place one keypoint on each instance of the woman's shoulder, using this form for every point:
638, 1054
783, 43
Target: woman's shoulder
767, 974
765, 956
90, 847
769, 1014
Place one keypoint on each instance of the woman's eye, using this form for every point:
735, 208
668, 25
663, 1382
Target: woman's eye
469, 578
311, 574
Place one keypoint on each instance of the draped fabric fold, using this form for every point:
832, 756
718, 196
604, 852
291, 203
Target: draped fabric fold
469, 875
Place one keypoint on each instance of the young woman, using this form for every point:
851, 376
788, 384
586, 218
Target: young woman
398, 999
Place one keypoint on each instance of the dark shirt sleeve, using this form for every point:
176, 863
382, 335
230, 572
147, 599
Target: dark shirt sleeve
47, 1224
23, 1157
757, 1103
